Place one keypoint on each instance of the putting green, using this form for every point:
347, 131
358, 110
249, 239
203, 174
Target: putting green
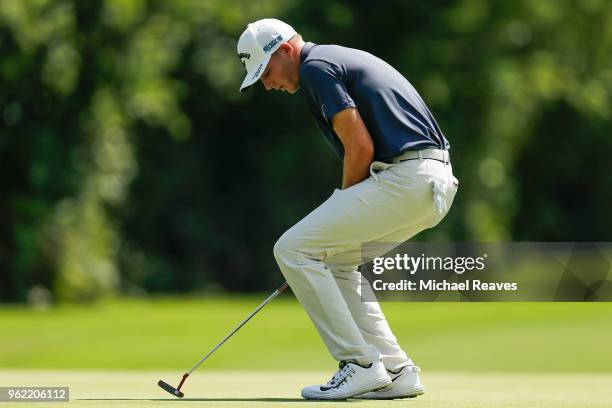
91, 389
473, 355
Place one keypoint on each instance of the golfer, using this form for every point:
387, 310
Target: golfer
397, 181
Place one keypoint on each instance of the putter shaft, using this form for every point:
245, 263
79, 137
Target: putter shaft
177, 391
242, 323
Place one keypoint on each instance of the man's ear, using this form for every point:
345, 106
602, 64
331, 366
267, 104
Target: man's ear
286, 47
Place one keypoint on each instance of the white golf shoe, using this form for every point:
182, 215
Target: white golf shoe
404, 384
350, 380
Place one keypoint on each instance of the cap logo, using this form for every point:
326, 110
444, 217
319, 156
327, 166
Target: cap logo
272, 43
244, 56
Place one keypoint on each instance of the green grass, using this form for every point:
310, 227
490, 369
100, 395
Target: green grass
173, 334
281, 389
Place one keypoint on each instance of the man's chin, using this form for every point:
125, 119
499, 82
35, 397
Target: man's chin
294, 90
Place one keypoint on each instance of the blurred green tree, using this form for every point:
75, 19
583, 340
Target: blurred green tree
131, 163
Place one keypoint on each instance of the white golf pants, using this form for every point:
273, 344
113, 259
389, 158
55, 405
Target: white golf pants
319, 255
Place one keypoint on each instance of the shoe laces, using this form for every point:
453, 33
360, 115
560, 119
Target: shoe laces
344, 371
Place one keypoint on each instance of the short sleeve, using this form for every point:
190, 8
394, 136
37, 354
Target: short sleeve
323, 82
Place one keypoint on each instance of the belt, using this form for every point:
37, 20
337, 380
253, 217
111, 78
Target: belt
432, 154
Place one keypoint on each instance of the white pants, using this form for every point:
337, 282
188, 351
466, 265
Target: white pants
319, 255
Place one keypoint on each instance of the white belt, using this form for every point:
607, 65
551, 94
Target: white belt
434, 154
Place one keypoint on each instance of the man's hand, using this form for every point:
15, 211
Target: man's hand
358, 146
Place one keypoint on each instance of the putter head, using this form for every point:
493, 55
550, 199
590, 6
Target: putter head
170, 389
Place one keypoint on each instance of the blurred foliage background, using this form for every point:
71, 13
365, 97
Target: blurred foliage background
130, 164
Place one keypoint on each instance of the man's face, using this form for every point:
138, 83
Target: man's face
281, 74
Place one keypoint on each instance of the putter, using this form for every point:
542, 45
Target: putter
177, 391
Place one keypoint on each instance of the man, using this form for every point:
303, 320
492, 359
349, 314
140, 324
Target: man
397, 181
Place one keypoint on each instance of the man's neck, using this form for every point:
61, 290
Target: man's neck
298, 45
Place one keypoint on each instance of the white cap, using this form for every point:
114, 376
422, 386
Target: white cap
257, 44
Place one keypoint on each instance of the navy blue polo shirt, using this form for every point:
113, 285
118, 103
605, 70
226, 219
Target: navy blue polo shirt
334, 78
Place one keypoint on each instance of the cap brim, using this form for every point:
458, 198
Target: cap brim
255, 74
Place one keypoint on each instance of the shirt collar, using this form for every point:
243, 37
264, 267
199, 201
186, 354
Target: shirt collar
305, 51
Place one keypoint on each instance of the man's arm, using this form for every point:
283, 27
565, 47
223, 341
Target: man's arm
358, 146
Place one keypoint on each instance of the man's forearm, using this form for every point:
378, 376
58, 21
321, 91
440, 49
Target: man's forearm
356, 168
358, 146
